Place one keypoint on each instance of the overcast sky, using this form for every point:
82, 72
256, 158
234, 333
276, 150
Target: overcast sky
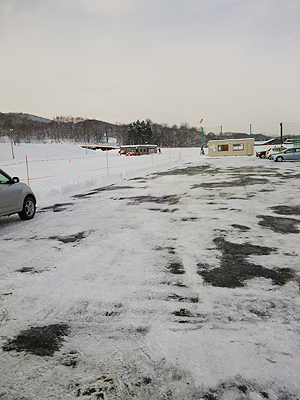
172, 61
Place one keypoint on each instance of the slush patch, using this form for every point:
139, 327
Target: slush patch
235, 270
40, 340
168, 199
190, 171
242, 181
101, 189
164, 210
71, 238
241, 389
171, 249
25, 269
176, 267
242, 228
286, 210
70, 359
279, 224
57, 207
176, 297
183, 312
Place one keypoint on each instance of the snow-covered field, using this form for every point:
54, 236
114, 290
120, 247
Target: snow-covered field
172, 276
56, 170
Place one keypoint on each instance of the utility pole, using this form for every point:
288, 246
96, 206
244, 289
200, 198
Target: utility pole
202, 142
281, 132
250, 129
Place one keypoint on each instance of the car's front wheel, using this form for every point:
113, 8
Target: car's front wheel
29, 208
279, 159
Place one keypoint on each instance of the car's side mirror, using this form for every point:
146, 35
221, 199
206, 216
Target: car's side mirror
15, 179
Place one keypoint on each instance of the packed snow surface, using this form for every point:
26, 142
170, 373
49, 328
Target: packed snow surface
166, 276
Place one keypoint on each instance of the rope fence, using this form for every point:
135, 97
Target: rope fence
105, 161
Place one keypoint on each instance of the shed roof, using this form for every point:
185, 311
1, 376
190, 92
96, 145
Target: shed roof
231, 140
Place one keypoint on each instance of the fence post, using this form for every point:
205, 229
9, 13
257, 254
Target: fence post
12, 149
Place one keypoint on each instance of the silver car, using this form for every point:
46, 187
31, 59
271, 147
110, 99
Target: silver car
287, 155
16, 197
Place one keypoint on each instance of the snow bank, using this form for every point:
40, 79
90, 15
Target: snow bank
55, 170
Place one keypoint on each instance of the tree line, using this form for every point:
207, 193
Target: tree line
18, 127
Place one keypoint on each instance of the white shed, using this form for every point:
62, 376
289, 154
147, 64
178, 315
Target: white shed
231, 147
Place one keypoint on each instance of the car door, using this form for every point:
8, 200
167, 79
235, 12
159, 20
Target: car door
289, 154
9, 195
297, 154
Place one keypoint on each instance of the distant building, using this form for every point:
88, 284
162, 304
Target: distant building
231, 147
138, 149
273, 141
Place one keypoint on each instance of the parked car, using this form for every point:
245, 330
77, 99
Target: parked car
262, 154
16, 197
274, 150
287, 155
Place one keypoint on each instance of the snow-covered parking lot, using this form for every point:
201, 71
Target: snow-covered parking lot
171, 277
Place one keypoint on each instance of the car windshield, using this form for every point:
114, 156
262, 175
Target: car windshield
3, 178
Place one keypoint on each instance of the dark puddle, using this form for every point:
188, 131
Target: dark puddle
190, 171
242, 181
71, 238
183, 312
235, 270
266, 190
56, 208
139, 178
28, 269
249, 170
186, 219
242, 228
171, 250
279, 224
182, 299
189, 317
112, 313
164, 210
286, 210
176, 267
168, 199
40, 340
101, 189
